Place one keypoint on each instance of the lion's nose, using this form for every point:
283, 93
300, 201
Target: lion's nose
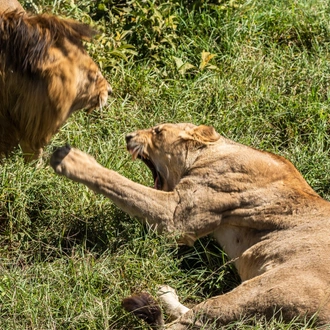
129, 137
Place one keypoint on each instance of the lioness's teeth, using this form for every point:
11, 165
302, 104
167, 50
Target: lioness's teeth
156, 182
135, 152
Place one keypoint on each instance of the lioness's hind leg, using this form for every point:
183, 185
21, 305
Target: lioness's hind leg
266, 295
170, 302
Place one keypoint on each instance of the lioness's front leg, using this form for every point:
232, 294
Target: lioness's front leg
152, 206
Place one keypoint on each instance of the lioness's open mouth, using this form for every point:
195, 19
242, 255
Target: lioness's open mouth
155, 174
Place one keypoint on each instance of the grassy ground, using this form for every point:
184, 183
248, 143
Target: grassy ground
258, 71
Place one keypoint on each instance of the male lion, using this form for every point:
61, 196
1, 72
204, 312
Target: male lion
45, 75
257, 205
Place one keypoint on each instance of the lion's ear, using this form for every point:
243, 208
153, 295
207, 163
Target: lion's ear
81, 31
201, 134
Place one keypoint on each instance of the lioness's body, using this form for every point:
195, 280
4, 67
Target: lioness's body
256, 204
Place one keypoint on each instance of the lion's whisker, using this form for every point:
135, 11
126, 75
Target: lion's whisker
100, 105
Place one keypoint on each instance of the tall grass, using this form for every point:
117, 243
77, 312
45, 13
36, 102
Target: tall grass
257, 71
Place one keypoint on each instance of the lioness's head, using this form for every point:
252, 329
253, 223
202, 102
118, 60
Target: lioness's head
169, 149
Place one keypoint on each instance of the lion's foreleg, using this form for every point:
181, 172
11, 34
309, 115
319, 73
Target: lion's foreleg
29, 153
152, 206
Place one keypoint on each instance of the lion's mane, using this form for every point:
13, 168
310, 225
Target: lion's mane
29, 113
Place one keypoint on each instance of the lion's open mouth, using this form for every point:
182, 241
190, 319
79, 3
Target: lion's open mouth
102, 101
158, 183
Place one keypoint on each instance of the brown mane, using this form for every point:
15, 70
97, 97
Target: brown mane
45, 75
25, 40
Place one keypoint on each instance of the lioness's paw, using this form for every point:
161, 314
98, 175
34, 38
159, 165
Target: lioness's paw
56, 160
69, 161
170, 302
166, 293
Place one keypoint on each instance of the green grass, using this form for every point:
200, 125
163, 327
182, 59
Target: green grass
68, 256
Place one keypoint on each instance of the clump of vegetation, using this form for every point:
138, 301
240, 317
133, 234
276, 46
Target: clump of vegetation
256, 71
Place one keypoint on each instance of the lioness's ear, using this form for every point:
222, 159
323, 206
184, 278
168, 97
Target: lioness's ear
201, 134
205, 134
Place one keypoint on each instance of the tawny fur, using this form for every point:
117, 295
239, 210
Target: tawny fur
259, 208
45, 75
9, 5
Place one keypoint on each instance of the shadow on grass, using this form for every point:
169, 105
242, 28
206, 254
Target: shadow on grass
209, 266
45, 238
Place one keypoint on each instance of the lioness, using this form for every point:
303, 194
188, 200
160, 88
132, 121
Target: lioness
45, 75
256, 204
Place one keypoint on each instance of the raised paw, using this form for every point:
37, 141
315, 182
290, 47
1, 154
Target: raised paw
56, 160
74, 164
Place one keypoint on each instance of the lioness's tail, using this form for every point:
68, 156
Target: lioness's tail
145, 307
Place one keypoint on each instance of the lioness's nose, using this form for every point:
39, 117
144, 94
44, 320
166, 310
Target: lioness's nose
129, 137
